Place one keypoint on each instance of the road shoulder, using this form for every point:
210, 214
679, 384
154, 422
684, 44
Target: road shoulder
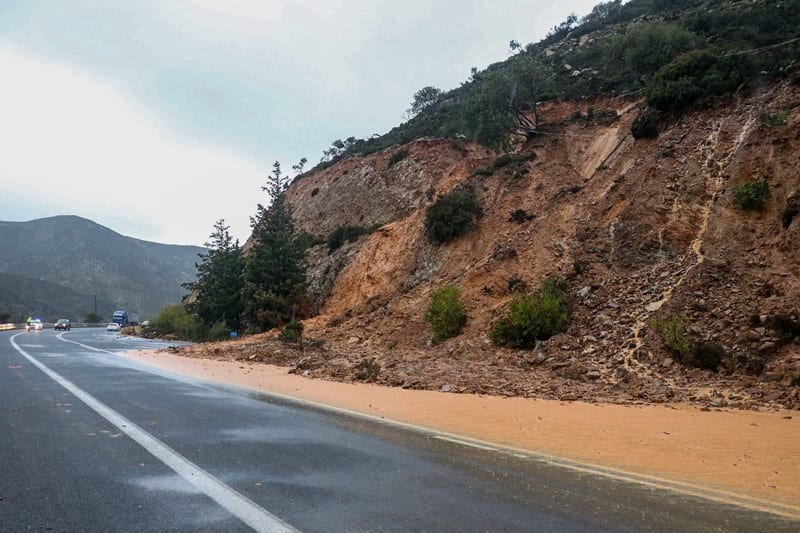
743, 457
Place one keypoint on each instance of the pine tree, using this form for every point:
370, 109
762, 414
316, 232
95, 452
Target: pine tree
217, 292
275, 267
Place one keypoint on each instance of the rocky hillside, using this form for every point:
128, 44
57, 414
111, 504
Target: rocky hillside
641, 230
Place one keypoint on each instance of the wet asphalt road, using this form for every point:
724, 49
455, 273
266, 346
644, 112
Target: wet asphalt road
91, 441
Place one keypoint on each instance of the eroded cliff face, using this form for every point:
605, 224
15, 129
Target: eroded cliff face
639, 228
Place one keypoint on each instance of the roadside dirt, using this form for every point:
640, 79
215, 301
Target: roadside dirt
744, 457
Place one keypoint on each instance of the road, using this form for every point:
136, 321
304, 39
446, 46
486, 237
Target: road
93, 441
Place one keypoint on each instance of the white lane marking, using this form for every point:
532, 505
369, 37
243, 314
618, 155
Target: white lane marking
237, 504
61, 337
92, 348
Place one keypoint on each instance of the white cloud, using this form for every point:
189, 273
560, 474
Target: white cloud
158, 118
78, 141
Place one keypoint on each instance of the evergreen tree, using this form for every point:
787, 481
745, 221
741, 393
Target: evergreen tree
505, 101
217, 292
275, 267
423, 99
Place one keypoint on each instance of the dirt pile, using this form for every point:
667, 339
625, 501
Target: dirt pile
641, 230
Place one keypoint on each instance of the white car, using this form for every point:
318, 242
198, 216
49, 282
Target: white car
113, 327
34, 324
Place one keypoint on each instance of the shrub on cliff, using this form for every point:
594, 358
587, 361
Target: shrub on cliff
750, 195
344, 234
706, 355
645, 126
397, 157
292, 332
673, 332
446, 313
450, 216
533, 317
698, 77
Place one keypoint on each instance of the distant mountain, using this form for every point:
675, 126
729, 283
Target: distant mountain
22, 297
69, 266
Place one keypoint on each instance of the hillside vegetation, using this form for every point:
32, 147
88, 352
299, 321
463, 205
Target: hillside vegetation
675, 53
609, 214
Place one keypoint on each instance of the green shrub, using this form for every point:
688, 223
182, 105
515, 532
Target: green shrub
776, 119
515, 159
698, 77
645, 126
533, 317
707, 355
446, 313
451, 216
516, 284
785, 327
397, 157
503, 160
674, 334
519, 216
750, 195
483, 171
177, 321
292, 332
219, 331
344, 234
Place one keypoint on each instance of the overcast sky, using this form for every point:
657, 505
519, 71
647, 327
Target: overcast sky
157, 118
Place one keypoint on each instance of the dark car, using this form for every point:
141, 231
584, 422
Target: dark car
62, 323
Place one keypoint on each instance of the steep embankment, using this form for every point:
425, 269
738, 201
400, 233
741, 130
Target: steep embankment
641, 229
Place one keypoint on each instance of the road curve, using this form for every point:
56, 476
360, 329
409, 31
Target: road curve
92, 441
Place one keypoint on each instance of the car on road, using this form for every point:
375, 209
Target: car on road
35, 324
113, 326
62, 323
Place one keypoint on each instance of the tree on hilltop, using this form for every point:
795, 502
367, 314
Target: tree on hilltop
424, 98
505, 101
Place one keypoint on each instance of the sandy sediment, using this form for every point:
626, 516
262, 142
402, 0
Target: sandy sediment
746, 457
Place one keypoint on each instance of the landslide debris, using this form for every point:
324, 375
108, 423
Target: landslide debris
641, 230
